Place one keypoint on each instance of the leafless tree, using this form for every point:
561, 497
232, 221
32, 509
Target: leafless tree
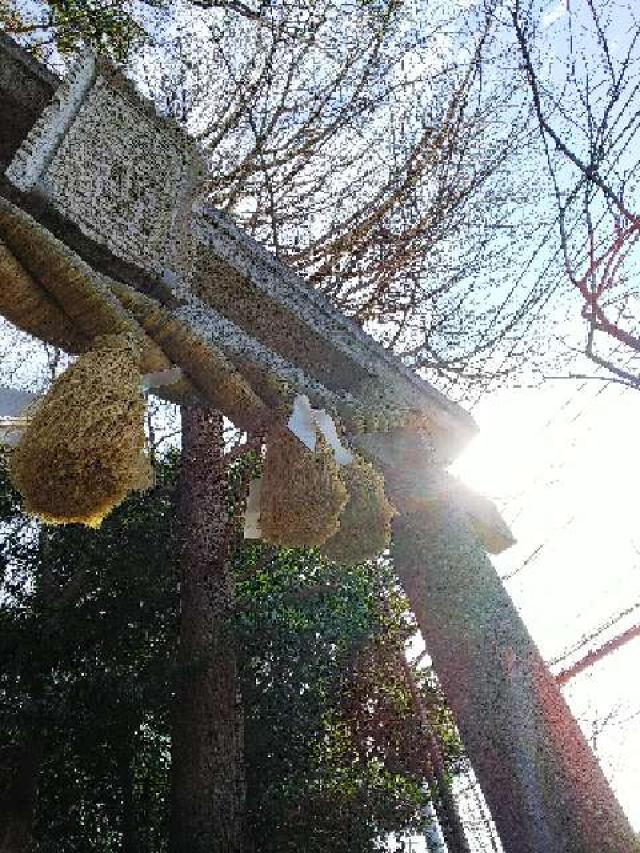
581, 64
442, 171
369, 147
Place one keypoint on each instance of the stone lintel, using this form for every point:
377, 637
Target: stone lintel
102, 160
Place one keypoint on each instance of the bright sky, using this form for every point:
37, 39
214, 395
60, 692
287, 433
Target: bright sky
562, 464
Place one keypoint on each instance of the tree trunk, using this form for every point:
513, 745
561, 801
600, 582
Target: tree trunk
444, 803
543, 784
207, 754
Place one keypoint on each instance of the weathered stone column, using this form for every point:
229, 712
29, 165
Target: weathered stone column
545, 788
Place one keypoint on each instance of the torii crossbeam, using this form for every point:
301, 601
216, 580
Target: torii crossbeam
97, 188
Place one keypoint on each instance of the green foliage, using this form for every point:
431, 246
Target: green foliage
87, 671
333, 758
8, 496
88, 634
107, 26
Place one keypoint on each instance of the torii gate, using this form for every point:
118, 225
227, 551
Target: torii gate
98, 188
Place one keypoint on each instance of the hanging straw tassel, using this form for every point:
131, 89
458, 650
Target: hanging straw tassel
365, 524
83, 450
302, 492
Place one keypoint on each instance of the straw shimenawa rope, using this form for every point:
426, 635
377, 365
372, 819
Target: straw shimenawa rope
212, 374
302, 492
47, 290
365, 523
27, 306
83, 451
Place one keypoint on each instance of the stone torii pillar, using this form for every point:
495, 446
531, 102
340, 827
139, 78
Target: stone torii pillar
98, 205
543, 783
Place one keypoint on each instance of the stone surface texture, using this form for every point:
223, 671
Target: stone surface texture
103, 161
